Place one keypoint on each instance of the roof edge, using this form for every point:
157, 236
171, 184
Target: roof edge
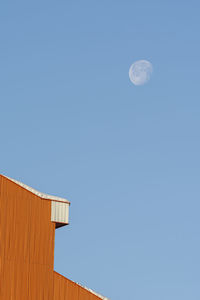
93, 292
37, 193
82, 286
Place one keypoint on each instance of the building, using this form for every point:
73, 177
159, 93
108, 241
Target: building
28, 220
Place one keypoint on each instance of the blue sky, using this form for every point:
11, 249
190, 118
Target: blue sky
72, 124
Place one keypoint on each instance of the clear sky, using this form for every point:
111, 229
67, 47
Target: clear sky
127, 157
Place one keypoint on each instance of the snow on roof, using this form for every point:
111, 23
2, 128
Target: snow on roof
91, 291
37, 193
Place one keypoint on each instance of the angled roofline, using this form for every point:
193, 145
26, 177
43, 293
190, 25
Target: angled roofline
83, 287
37, 193
93, 292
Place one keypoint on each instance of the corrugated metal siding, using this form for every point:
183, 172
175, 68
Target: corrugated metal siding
65, 289
27, 248
14, 282
59, 212
26, 245
28, 233
22, 281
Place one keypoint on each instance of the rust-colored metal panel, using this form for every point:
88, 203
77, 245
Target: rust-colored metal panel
84, 294
65, 289
15, 211
28, 233
26, 244
40, 283
22, 281
42, 232
14, 281
27, 249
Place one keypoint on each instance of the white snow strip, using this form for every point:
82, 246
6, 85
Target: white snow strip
37, 193
91, 291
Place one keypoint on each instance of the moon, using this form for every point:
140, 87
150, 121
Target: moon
140, 72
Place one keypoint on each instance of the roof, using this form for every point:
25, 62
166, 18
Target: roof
82, 286
37, 193
91, 291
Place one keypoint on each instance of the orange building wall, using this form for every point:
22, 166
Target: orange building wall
26, 244
65, 289
27, 238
